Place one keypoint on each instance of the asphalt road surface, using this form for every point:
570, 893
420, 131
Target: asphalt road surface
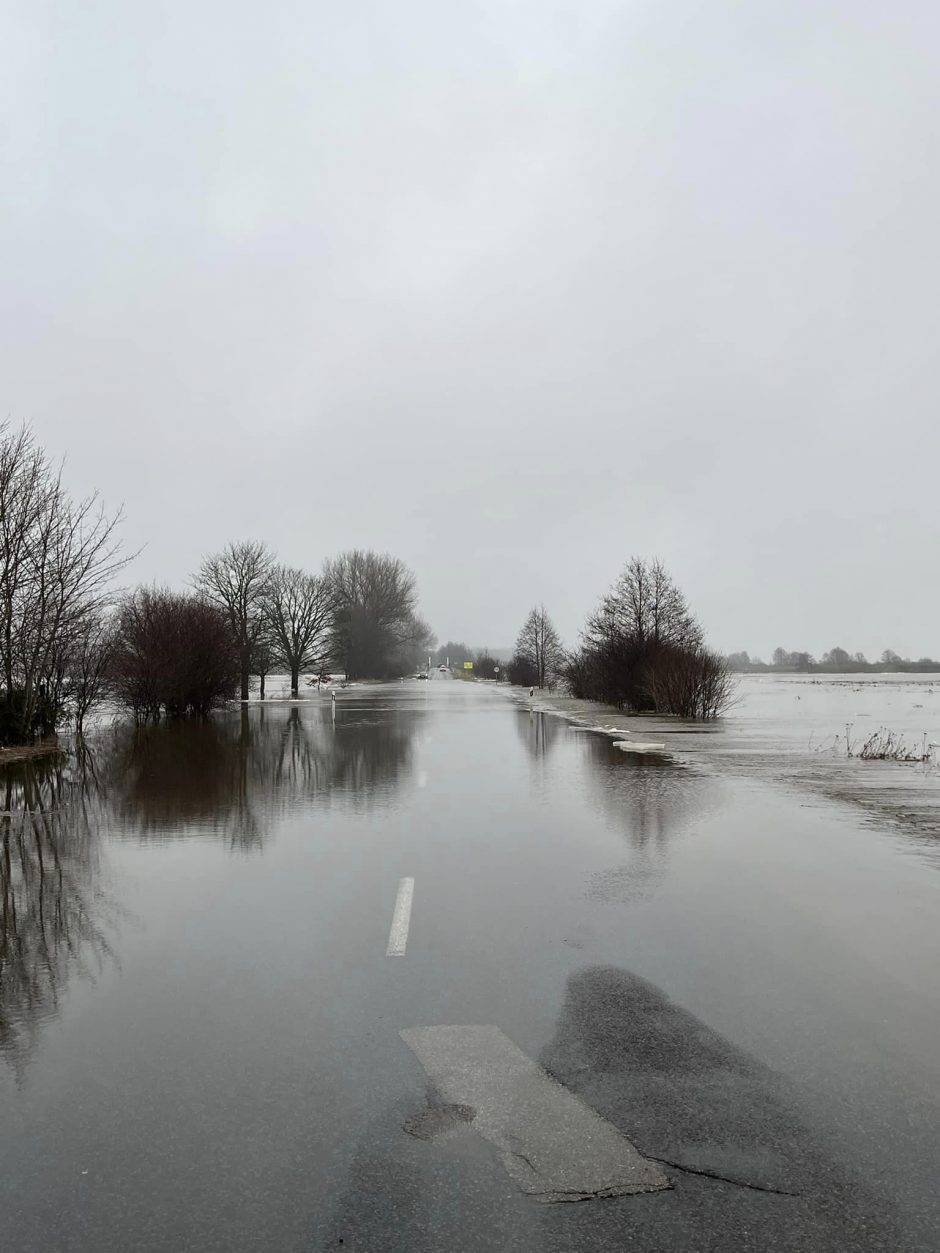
427, 971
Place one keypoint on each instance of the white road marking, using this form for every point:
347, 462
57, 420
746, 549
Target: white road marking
551, 1144
401, 919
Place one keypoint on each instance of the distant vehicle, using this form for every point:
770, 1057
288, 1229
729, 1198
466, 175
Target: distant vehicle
443, 669
421, 676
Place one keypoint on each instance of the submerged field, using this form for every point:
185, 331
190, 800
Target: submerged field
797, 730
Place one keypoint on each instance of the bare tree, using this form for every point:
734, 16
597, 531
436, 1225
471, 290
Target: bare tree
299, 609
264, 661
642, 649
646, 605
58, 559
538, 648
236, 579
87, 666
376, 628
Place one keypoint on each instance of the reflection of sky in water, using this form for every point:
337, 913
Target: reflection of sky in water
229, 886
648, 800
799, 710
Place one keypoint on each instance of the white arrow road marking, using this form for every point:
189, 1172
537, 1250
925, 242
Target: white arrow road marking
401, 919
552, 1145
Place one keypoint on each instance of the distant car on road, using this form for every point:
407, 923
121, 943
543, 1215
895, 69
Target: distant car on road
421, 676
443, 669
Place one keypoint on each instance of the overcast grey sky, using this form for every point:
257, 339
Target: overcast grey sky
512, 290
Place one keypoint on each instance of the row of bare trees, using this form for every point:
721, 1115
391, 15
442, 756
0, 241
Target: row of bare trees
359, 614
642, 649
278, 616
69, 638
249, 615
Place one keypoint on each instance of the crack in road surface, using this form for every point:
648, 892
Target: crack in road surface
713, 1174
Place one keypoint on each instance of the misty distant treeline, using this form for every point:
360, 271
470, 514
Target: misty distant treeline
642, 649
835, 661
456, 655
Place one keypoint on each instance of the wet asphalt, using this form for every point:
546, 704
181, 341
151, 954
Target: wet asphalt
740, 982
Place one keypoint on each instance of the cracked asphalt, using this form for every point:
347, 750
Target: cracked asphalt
741, 984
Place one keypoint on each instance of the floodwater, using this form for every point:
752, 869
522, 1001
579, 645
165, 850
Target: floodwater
199, 1025
809, 731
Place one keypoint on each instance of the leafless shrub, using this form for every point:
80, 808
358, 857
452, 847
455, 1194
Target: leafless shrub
690, 682
173, 654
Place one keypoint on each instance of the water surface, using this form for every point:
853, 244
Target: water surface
199, 1026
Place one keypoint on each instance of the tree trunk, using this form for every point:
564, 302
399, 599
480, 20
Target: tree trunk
246, 678
294, 680
262, 687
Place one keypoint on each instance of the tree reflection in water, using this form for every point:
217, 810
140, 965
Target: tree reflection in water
54, 920
229, 776
651, 800
538, 732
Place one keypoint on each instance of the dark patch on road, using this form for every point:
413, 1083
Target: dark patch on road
691, 1100
438, 1120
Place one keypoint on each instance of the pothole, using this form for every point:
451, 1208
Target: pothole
438, 1121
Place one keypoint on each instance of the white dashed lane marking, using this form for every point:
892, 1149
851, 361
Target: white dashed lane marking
401, 919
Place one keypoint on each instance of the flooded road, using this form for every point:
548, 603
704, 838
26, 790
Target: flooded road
200, 1026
